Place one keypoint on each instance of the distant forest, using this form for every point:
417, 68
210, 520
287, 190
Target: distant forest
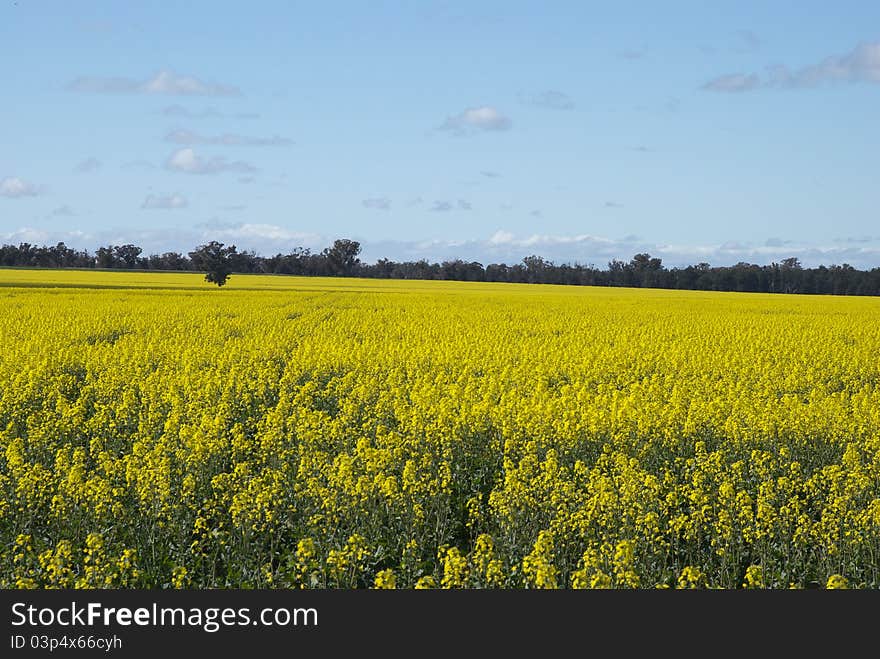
342, 259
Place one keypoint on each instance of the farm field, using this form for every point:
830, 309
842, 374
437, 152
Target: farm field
285, 432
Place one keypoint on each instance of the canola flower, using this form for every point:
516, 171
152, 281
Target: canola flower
332, 433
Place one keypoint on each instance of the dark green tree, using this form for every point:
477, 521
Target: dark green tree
342, 257
126, 255
215, 260
104, 257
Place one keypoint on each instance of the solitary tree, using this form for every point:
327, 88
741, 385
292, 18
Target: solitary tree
215, 260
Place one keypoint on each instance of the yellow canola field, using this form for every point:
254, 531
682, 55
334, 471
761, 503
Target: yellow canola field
158, 432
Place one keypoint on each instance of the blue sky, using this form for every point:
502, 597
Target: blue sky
579, 131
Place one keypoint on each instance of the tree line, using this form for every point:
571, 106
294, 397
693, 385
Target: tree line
341, 258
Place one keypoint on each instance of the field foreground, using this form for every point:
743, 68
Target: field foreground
301, 432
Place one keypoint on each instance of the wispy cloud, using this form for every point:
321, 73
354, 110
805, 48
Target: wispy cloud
162, 83
550, 99
184, 113
62, 211
96, 26
445, 206
377, 203
180, 112
90, 164
613, 204
776, 242
508, 247
501, 247
734, 82
265, 239
630, 54
489, 174
188, 161
474, 120
858, 240
862, 64
13, 187
227, 139
748, 41
169, 202
254, 235
137, 165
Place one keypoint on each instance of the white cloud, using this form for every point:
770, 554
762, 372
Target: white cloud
862, 64
441, 206
14, 187
501, 238
32, 235
164, 82
473, 120
377, 203
506, 247
501, 247
463, 205
227, 139
90, 164
167, 82
188, 161
169, 202
263, 237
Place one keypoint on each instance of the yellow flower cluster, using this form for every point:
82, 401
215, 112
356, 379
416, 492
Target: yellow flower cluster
331, 433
